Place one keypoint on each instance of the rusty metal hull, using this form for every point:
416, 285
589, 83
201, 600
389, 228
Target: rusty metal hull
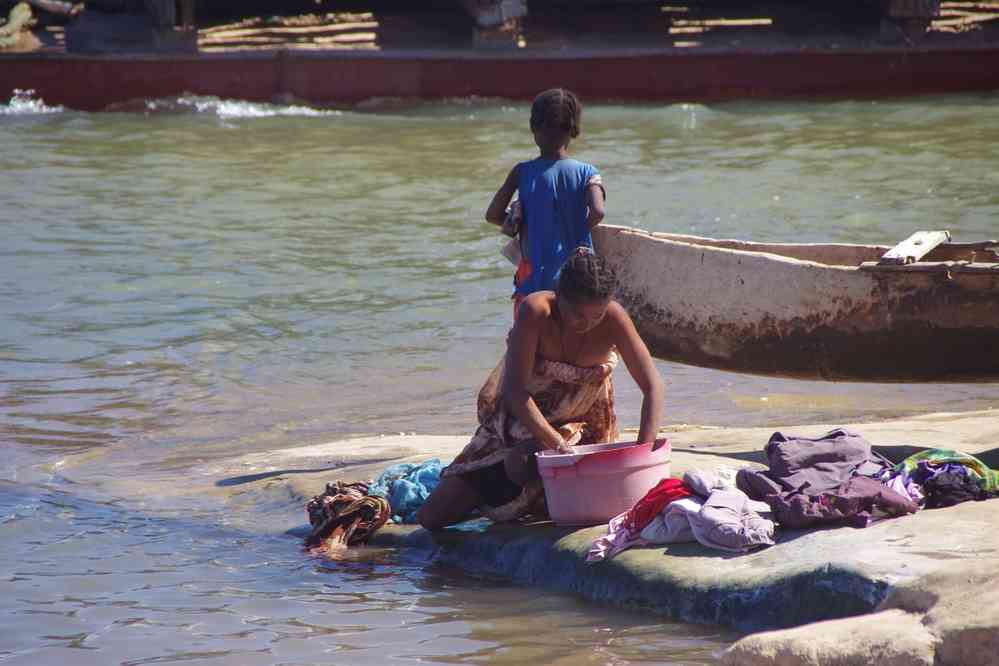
807, 311
330, 77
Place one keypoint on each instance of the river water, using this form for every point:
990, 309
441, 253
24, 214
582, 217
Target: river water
194, 279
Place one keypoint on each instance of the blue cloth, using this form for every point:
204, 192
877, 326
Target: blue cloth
553, 194
407, 486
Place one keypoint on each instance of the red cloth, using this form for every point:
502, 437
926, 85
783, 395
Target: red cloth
655, 501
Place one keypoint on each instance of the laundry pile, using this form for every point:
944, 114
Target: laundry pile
706, 507
344, 515
828, 479
942, 477
835, 479
407, 486
347, 514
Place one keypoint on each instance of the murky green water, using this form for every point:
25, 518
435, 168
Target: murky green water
211, 278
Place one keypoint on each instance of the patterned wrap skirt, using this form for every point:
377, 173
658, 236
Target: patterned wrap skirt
576, 401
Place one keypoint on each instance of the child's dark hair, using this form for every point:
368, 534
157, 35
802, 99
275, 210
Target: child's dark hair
557, 109
586, 277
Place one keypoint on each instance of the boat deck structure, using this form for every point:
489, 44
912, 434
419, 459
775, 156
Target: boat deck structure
651, 52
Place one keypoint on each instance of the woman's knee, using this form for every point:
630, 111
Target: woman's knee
429, 520
520, 466
449, 503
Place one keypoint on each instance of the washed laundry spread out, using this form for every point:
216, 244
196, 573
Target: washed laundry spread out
705, 507
407, 486
833, 479
824, 480
944, 477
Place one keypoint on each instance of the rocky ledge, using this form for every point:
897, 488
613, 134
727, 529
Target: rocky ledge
912, 590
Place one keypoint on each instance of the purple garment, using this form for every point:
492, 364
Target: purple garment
857, 503
926, 470
902, 486
618, 539
824, 480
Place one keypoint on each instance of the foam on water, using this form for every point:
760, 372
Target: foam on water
233, 108
24, 103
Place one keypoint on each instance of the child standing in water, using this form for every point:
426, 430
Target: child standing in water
561, 198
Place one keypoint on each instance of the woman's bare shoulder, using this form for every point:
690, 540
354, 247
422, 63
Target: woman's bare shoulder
616, 312
537, 306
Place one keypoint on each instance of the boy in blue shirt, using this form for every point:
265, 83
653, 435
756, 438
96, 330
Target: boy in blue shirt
561, 198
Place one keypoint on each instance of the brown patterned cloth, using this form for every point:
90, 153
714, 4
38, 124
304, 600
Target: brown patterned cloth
343, 516
576, 401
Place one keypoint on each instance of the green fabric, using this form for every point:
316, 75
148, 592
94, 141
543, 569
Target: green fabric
988, 478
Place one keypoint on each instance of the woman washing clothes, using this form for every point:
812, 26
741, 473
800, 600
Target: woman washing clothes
552, 391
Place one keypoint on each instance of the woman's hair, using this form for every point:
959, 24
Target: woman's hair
557, 109
586, 277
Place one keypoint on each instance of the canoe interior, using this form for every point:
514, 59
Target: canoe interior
810, 311
843, 254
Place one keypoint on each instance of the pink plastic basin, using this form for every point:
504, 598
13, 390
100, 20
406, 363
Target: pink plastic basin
596, 482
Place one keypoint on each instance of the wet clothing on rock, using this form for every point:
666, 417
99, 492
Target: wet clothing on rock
666, 491
407, 486
987, 478
953, 486
719, 516
344, 515
824, 480
618, 539
945, 477
856, 502
727, 520
624, 530
704, 482
704, 507
576, 401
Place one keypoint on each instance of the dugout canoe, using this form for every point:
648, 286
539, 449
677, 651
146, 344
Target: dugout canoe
815, 311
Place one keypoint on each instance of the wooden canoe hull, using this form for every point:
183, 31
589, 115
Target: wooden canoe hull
750, 310
93, 83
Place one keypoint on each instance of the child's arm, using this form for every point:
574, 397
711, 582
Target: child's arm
595, 197
496, 212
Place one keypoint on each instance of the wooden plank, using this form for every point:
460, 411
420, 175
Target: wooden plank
914, 248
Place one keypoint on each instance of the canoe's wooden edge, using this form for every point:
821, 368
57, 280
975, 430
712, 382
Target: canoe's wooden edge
775, 251
747, 249
735, 244
932, 267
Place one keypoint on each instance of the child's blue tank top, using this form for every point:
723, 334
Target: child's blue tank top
553, 194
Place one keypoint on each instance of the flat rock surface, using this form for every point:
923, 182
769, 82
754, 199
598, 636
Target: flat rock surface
809, 575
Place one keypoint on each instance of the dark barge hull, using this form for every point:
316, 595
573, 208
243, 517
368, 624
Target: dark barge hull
94, 83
